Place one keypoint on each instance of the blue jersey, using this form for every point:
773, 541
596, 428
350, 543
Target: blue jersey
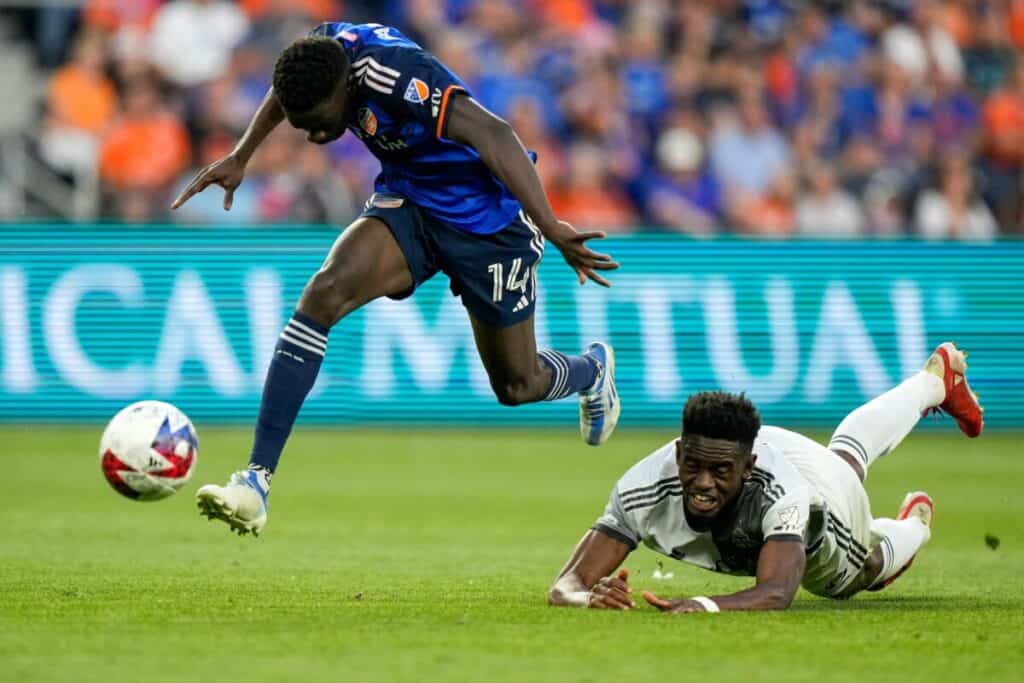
400, 111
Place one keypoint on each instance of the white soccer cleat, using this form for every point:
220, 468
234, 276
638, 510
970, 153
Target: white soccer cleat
600, 406
919, 505
242, 502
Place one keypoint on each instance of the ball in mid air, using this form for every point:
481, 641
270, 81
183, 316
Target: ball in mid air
148, 450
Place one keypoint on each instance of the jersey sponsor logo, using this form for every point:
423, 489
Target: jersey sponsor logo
368, 121
374, 75
417, 91
349, 36
389, 145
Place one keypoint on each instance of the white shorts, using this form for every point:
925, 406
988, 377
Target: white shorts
840, 538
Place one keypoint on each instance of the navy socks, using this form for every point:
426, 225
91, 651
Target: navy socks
293, 370
569, 374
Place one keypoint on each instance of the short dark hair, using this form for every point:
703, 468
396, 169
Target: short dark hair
721, 415
308, 71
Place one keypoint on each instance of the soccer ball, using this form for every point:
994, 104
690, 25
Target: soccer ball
149, 450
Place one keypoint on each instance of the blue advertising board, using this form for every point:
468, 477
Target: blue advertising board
94, 318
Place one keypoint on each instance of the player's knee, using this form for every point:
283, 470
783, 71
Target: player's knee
852, 462
328, 297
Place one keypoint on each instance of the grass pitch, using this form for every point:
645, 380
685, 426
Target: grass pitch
426, 556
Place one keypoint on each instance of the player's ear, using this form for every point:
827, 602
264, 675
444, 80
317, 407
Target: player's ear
679, 451
748, 466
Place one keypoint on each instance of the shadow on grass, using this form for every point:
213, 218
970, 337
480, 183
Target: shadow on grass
909, 603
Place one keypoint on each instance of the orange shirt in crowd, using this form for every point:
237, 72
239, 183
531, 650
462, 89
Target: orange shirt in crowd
320, 10
82, 99
144, 153
1004, 128
767, 216
1017, 23
604, 210
570, 15
112, 15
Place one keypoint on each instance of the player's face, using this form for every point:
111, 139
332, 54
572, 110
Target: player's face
712, 472
326, 121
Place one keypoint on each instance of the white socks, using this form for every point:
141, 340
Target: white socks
879, 425
900, 541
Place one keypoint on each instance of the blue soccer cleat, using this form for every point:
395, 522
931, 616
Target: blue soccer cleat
242, 502
599, 405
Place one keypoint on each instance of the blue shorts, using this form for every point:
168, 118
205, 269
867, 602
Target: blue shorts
496, 274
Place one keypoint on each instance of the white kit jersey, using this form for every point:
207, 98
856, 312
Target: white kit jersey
799, 490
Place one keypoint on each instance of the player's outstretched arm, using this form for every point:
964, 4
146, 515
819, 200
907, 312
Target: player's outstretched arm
780, 567
500, 149
229, 171
587, 581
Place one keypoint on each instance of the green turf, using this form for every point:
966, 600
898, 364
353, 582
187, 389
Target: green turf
426, 556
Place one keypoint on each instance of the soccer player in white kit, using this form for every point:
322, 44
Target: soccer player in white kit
736, 497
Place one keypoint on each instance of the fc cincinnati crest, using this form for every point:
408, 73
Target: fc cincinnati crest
417, 91
368, 121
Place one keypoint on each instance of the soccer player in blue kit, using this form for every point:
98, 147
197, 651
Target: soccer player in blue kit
457, 193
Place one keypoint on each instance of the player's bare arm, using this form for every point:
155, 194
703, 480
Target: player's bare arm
229, 171
587, 580
779, 570
501, 150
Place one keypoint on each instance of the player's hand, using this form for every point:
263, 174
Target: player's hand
227, 172
578, 255
612, 592
680, 606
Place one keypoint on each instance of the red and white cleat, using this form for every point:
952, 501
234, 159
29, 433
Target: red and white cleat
950, 364
915, 504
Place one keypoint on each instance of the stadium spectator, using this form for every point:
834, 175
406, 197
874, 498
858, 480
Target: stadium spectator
192, 39
526, 120
81, 95
147, 145
771, 214
868, 92
643, 71
922, 44
826, 210
748, 156
1003, 156
112, 16
275, 23
989, 58
954, 210
682, 195
821, 129
80, 105
586, 198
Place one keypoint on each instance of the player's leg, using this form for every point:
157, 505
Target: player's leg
496, 276
364, 263
878, 426
520, 374
898, 542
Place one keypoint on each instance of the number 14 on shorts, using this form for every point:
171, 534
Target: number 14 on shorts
517, 281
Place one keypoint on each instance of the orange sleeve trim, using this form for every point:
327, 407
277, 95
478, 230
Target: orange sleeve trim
442, 115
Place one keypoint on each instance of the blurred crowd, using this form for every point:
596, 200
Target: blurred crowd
752, 117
